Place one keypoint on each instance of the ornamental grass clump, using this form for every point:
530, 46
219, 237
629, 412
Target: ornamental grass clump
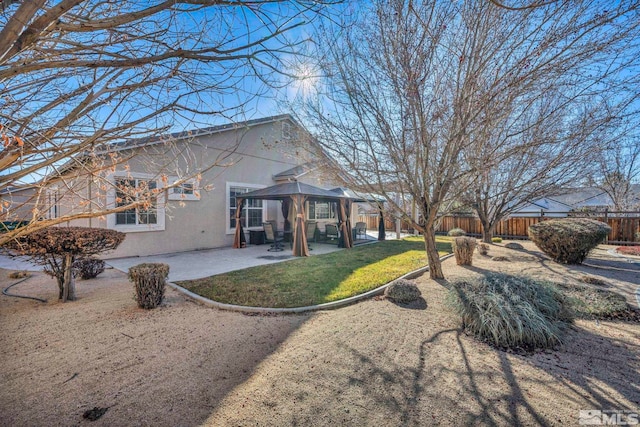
402, 291
463, 248
150, 281
456, 232
568, 240
511, 312
88, 268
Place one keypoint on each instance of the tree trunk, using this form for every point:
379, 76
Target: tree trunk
435, 266
60, 287
69, 291
487, 231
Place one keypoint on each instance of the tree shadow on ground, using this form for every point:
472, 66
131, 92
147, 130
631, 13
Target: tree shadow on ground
462, 389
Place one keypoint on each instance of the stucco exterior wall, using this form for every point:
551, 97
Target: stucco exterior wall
247, 157
252, 156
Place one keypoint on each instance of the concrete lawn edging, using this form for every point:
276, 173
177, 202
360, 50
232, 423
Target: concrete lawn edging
293, 310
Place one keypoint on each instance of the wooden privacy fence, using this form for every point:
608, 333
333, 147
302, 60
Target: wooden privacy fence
625, 226
389, 223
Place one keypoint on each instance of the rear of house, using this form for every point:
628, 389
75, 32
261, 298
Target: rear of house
199, 213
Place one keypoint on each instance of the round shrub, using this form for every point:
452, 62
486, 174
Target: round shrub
514, 245
512, 312
456, 232
568, 240
496, 239
402, 291
463, 248
87, 268
150, 282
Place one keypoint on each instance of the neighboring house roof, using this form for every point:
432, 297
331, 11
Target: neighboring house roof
544, 204
585, 197
578, 198
591, 197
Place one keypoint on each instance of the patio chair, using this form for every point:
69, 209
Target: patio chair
361, 229
272, 237
331, 232
311, 232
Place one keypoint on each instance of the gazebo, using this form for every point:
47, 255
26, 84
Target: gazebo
296, 194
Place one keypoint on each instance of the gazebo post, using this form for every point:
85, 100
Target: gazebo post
286, 204
300, 247
239, 240
345, 223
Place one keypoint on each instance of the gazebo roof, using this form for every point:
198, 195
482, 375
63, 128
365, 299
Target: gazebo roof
288, 189
350, 194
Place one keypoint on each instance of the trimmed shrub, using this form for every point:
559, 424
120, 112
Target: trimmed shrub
150, 282
87, 268
569, 240
496, 239
511, 312
402, 291
56, 248
514, 245
456, 232
463, 248
483, 249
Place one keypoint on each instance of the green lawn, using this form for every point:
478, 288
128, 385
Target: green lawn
317, 279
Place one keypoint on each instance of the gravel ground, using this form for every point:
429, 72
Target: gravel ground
372, 363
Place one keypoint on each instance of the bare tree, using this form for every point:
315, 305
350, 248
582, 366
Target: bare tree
619, 168
413, 89
77, 76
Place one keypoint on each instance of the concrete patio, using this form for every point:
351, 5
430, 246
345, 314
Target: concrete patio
202, 263
209, 262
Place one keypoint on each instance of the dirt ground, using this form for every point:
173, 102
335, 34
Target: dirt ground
373, 363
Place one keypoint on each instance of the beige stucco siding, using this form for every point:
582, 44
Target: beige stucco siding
247, 158
244, 157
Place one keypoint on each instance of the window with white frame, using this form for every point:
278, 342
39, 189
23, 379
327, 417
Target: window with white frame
188, 190
253, 211
148, 216
321, 210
